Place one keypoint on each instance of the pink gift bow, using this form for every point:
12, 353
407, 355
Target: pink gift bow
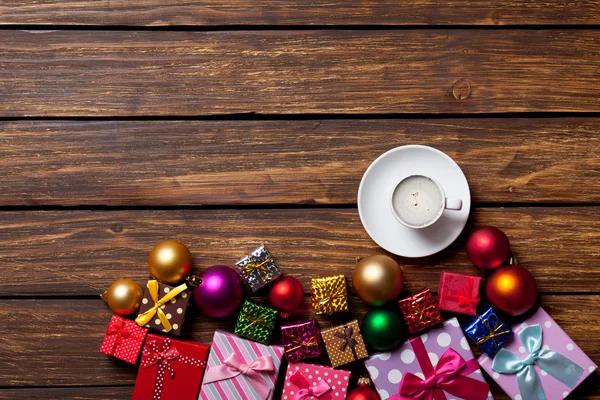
119, 328
153, 355
319, 390
232, 367
449, 375
464, 298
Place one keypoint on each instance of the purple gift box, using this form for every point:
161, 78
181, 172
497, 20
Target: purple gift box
301, 341
553, 340
389, 369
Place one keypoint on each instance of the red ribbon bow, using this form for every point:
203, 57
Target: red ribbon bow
319, 390
464, 298
119, 328
449, 375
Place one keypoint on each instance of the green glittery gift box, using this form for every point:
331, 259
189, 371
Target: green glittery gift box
256, 322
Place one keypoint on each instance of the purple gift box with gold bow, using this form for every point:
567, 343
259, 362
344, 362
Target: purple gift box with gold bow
301, 341
458, 293
240, 369
344, 343
123, 339
170, 369
307, 381
437, 364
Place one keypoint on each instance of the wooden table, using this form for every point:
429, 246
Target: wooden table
225, 124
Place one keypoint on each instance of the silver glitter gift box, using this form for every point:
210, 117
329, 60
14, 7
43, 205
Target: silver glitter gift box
258, 268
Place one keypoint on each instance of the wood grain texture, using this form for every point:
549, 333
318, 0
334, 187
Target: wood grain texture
267, 162
82, 252
59, 352
78, 393
298, 12
108, 73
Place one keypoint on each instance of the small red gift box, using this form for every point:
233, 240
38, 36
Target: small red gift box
123, 339
170, 369
459, 293
420, 311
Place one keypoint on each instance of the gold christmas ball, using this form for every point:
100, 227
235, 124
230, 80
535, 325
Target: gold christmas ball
124, 296
377, 279
170, 261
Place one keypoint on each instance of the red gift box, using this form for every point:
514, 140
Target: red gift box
420, 311
170, 369
459, 293
123, 339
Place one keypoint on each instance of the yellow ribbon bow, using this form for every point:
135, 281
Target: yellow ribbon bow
147, 316
493, 333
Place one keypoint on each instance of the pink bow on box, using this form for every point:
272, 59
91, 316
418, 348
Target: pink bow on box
232, 367
319, 390
121, 330
449, 375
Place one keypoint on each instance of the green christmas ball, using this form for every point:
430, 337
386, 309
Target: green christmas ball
382, 329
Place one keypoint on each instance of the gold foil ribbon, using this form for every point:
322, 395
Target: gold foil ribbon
421, 311
261, 320
493, 333
312, 342
332, 290
147, 316
260, 268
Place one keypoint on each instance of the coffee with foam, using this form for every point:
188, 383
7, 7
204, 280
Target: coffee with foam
418, 200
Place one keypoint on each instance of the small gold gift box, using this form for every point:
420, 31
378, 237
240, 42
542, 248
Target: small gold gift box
329, 294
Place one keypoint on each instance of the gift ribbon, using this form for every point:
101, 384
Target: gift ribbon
421, 311
232, 367
310, 342
449, 375
164, 358
347, 340
464, 298
119, 328
493, 332
330, 291
260, 268
319, 390
147, 316
260, 320
555, 364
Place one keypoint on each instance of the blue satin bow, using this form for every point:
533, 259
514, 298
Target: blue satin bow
555, 364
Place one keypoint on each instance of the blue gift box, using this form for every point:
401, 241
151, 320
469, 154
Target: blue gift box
488, 331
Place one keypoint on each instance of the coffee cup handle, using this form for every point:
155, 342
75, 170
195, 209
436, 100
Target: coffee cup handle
453, 204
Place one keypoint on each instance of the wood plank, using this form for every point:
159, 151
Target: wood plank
79, 393
266, 162
297, 12
77, 328
57, 253
124, 73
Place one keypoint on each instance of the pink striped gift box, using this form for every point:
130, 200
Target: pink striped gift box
240, 369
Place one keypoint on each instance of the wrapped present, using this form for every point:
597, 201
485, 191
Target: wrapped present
301, 341
344, 343
420, 311
488, 331
541, 362
256, 322
123, 339
329, 294
438, 364
170, 369
163, 307
258, 268
240, 369
308, 381
459, 293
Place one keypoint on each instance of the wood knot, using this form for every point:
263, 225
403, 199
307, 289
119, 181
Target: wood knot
461, 89
116, 228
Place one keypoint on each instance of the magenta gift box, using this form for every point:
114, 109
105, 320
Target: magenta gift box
388, 369
553, 338
335, 381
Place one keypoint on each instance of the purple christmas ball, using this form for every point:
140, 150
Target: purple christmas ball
220, 291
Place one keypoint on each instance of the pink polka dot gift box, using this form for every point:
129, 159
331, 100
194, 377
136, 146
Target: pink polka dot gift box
540, 362
434, 365
123, 339
308, 381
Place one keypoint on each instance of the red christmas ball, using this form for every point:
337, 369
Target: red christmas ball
286, 294
362, 393
512, 290
488, 247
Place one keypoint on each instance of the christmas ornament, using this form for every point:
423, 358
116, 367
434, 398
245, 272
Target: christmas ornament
382, 329
124, 296
511, 289
170, 261
363, 391
488, 247
219, 292
377, 279
286, 295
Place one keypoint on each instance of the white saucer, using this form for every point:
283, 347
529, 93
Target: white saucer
381, 178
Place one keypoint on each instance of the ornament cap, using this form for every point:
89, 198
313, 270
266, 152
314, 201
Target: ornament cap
513, 260
364, 381
193, 281
358, 258
104, 296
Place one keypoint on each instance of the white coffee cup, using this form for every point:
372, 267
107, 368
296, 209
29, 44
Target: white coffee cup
418, 201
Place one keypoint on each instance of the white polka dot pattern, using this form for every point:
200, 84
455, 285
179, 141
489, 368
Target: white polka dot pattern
337, 380
123, 339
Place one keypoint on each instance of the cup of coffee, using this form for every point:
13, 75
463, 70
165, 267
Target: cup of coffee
418, 201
